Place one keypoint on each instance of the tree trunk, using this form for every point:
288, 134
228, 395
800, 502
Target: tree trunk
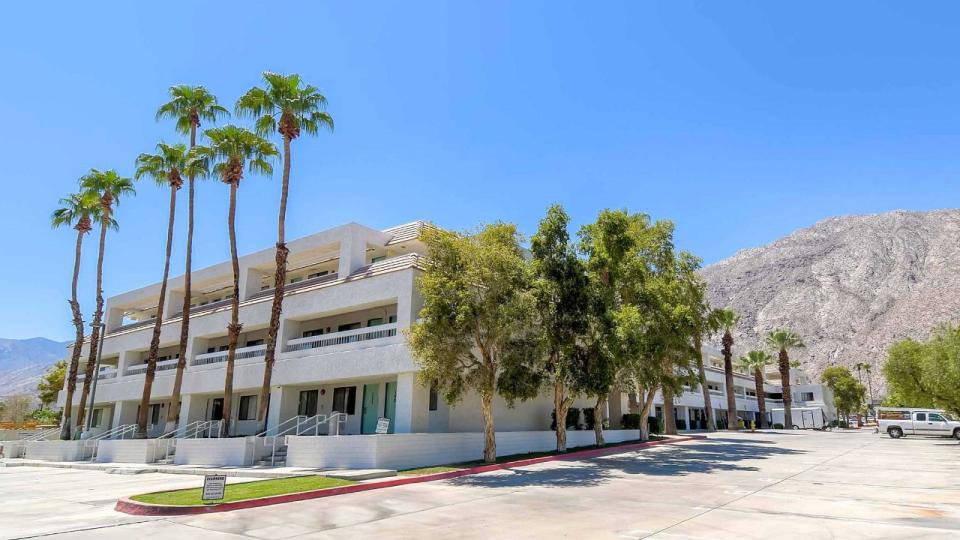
669, 418
233, 329
489, 435
645, 414
707, 402
279, 280
785, 386
732, 423
561, 404
761, 399
66, 418
157, 324
173, 413
95, 332
598, 419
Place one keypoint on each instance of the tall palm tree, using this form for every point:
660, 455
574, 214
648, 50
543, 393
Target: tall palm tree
288, 106
166, 167
782, 340
727, 319
757, 362
231, 148
77, 211
865, 366
188, 105
109, 187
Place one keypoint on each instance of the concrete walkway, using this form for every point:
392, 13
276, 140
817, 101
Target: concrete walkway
783, 485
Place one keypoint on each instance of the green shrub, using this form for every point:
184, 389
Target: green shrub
630, 421
588, 418
778, 426
681, 423
573, 419
655, 425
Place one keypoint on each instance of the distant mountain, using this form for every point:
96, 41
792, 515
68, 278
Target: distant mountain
850, 286
24, 361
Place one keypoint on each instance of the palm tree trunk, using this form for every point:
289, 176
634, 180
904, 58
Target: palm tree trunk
707, 402
279, 280
173, 413
489, 435
233, 329
157, 324
67, 419
761, 399
732, 423
598, 419
97, 317
785, 386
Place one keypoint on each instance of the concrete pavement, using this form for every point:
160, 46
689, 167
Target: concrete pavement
733, 485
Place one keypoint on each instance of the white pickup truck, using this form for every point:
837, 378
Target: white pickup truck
900, 422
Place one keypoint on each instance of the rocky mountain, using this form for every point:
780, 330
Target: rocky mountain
24, 361
850, 286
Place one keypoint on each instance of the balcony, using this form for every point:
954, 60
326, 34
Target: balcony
162, 365
342, 338
106, 372
298, 285
217, 357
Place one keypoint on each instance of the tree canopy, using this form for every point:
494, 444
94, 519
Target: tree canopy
926, 374
848, 394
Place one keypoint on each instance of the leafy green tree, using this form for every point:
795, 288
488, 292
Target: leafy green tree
77, 211
728, 319
51, 383
848, 394
782, 341
561, 291
232, 149
473, 332
286, 106
926, 374
756, 362
188, 106
166, 168
109, 187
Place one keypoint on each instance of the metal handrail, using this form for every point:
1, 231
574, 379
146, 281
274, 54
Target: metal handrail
302, 425
41, 435
277, 428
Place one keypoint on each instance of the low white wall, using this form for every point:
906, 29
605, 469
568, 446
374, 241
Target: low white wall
12, 449
132, 450
237, 451
409, 450
58, 450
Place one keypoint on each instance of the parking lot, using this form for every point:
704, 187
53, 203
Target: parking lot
732, 485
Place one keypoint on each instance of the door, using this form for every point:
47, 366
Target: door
920, 426
371, 409
938, 424
216, 410
308, 403
390, 404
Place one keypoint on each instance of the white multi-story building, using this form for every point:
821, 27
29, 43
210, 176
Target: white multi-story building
351, 293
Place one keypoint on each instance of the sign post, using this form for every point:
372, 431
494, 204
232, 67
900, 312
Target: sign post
214, 486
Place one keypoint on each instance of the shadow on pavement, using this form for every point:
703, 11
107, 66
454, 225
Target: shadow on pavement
705, 456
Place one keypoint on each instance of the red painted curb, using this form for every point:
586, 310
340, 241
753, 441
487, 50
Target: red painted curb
129, 506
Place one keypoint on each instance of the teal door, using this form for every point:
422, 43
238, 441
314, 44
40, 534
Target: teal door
370, 412
390, 404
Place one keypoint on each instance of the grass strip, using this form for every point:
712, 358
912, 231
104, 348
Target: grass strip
243, 491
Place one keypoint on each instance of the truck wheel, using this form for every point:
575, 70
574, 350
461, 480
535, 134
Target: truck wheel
956, 434
895, 432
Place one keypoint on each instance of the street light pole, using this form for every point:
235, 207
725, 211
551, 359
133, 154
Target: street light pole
96, 377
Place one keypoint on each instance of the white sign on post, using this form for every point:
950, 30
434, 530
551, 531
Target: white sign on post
214, 486
383, 426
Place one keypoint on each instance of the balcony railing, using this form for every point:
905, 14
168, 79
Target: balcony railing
105, 373
341, 338
332, 276
161, 366
221, 356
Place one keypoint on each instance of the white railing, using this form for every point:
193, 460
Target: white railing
341, 338
41, 435
106, 372
161, 366
221, 356
301, 425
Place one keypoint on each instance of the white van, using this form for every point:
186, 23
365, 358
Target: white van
898, 422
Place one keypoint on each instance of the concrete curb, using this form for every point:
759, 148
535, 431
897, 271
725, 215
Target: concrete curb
129, 506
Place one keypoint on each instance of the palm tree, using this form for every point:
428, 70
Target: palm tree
757, 362
166, 167
188, 105
77, 211
727, 319
109, 187
230, 149
782, 340
286, 106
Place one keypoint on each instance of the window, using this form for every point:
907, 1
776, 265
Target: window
308, 403
318, 274
211, 350
97, 416
921, 417
348, 326
392, 319
154, 414
297, 279
216, 409
935, 418
806, 396
313, 333
375, 322
248, 408
254, 342
344, 399
377, 259
434, 398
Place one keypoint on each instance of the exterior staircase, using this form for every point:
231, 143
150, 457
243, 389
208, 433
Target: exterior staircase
279, 458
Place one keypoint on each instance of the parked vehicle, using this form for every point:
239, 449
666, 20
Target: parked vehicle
899, 422
803, 417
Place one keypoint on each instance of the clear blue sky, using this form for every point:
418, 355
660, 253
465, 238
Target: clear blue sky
740, 122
